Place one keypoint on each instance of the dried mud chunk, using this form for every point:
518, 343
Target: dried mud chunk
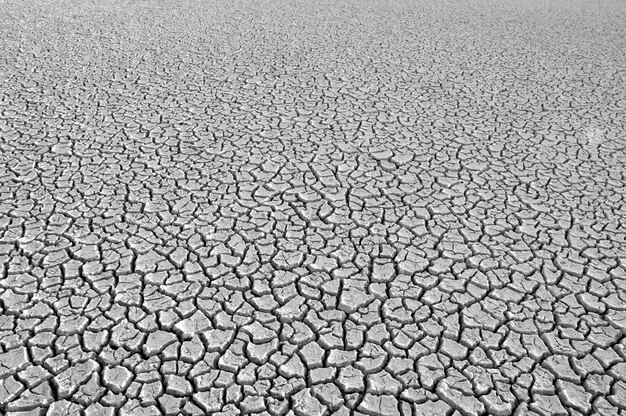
68, 381
157, 342
117, 379
379, 405
13, 361
304, 404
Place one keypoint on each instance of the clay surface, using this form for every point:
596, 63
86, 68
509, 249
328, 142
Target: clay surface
313, 208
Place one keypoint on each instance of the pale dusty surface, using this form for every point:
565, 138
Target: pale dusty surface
312, 208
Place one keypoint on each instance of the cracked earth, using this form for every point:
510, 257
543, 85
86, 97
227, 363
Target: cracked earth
312, 208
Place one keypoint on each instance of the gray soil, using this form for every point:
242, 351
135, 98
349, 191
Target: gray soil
313, 208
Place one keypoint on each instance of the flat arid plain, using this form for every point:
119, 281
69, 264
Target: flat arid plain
313, 208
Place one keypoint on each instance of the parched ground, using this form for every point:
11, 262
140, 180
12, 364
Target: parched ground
311, 208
